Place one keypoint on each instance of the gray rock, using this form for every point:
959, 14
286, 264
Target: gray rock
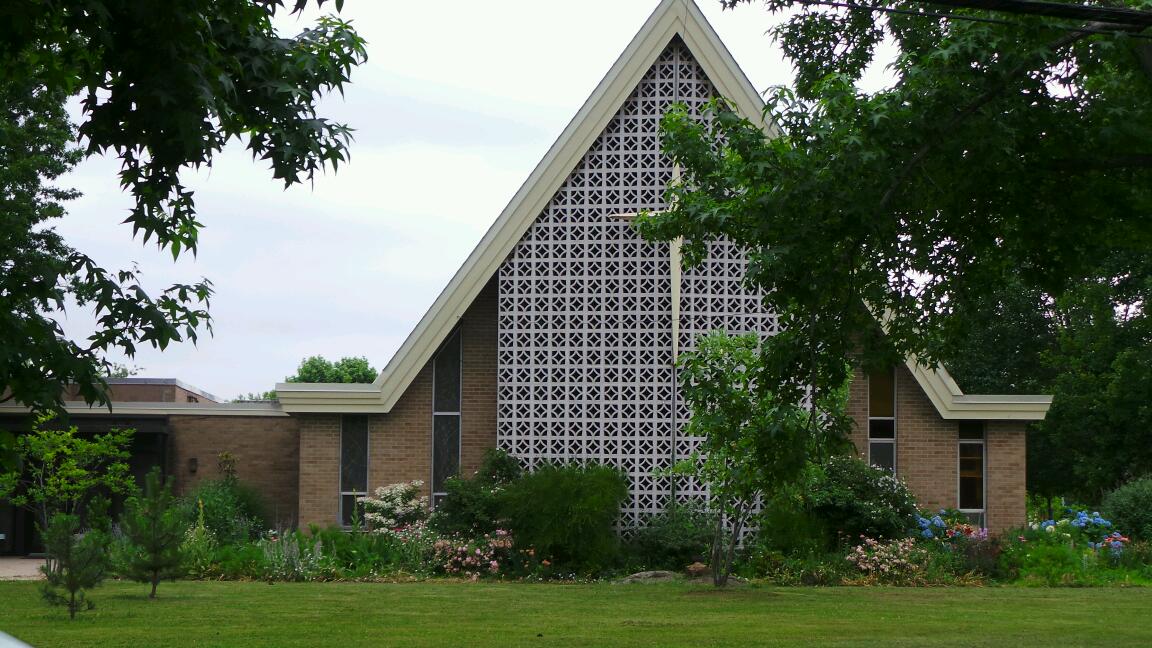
651, 577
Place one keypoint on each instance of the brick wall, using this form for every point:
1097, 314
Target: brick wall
319, 469
927, 451
266, 450
1006, 473
400, 442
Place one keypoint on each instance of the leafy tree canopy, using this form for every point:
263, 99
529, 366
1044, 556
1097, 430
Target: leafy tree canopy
58, 470
344, 370
1002, 153
753, 442
163, 87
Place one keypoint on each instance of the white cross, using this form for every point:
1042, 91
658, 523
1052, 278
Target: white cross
675, 260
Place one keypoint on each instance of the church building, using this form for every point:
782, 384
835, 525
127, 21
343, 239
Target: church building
556, 340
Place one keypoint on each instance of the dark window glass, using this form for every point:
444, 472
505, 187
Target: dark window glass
883, 455
971, 475
445, 449
882, 393
881, 429
351, 510
972, 430
354, 454
446, 397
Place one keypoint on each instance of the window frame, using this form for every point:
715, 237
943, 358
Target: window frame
979, 517
455, 337
895, 431
367, 466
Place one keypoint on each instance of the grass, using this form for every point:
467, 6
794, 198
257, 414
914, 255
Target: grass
494, 614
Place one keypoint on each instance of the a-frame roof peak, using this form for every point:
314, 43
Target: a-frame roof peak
671, 19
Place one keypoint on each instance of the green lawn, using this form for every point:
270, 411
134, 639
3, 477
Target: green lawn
471, 614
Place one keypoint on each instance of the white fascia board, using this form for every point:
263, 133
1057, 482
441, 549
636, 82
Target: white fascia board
671, 18
953, 404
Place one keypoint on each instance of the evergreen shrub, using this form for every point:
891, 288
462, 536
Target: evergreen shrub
567, 514
1130, 508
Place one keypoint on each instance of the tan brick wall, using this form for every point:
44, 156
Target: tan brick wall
319, 469
400, 442
927, 452
266, 450
478, 409
1006, 469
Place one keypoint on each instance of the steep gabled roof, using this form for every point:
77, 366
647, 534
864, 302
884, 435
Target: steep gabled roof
671, 19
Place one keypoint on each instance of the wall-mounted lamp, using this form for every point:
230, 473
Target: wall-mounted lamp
193, 464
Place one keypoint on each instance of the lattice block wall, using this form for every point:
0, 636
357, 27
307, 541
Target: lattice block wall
585, 314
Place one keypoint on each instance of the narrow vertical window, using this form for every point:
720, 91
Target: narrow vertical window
971, 470
353, 465
882, 419
445, 415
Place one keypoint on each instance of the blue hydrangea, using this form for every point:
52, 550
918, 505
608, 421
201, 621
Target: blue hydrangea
923, 522
938, 522
927, 533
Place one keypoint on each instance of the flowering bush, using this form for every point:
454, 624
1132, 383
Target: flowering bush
1113, 543
958, 546
472, 559
892, 562
293, 557
948, 526
1079, 548
395, 507
855, 499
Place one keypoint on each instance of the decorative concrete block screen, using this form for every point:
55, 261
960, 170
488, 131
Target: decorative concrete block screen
585, 316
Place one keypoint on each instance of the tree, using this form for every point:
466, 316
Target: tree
1099, 430
1005, 349
59, 470
252, 396
752, 441
1000, 152
155, 528
164, 88
344, 370
78, 562
118, 370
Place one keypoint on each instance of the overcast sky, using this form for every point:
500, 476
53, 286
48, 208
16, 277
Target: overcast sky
458, 102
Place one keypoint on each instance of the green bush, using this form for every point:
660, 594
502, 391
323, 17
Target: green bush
471, 507
672, 539
853, 499
1045, 563
498, 468
233, 511
834, 505
1130, 508
567, 514
788, 526
820, 569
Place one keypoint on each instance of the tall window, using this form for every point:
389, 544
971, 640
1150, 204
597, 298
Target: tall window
971, 470
353, 465
882, 419
445, 415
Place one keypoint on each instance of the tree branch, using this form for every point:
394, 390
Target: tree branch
971, 109
1130, 161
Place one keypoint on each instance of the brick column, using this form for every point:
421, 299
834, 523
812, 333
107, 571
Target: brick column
319, 469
